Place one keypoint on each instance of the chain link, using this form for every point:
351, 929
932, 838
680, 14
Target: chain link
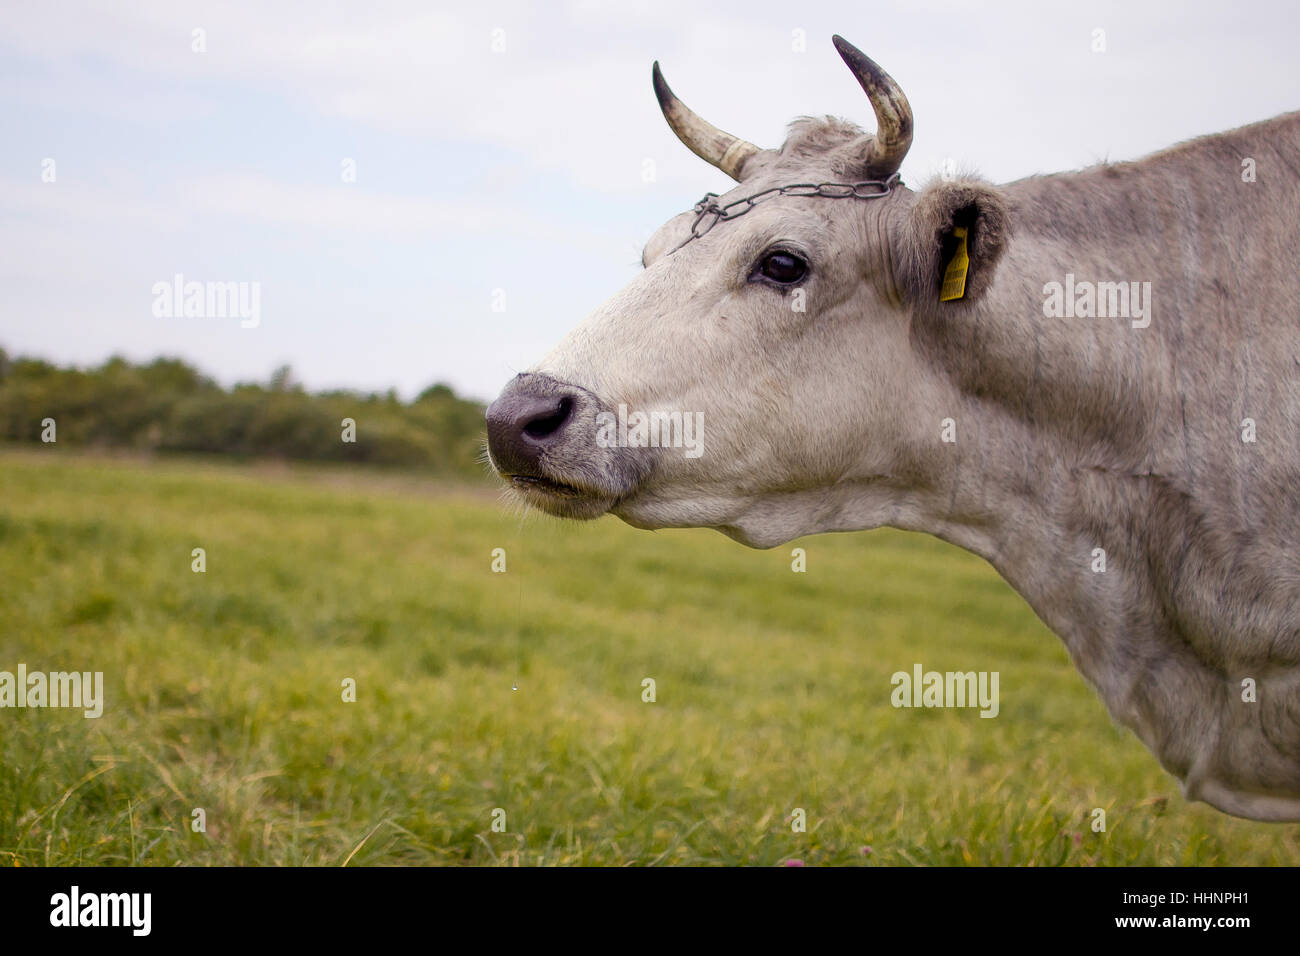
708, 213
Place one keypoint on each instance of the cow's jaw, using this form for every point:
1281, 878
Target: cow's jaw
560, 499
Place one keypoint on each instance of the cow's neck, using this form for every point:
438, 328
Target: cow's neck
1106, 555
1078, 443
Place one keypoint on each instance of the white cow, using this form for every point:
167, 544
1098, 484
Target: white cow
1088, 370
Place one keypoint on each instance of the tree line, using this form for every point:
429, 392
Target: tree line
167, 405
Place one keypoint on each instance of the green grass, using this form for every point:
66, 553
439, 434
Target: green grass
224, 689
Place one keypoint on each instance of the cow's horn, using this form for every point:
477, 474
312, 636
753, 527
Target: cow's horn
727, 152
893, 112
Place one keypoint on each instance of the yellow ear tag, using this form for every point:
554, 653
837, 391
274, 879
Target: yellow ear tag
954, 277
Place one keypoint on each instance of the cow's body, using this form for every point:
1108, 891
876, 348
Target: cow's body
1088, 433
1077, 440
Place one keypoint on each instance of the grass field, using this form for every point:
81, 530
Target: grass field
223, 689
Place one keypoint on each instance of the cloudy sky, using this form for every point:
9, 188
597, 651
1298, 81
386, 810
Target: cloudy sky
507, 153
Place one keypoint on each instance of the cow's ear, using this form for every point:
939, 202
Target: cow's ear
958, 230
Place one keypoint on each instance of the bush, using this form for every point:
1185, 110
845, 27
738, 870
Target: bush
170, 406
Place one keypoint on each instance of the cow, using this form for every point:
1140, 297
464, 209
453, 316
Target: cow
1090, 379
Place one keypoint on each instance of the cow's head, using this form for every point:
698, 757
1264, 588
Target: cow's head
788, 333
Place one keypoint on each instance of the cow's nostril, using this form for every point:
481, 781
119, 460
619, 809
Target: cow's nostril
546, 425
532, 416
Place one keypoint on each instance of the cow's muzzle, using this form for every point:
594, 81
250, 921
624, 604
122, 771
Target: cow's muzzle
542, 439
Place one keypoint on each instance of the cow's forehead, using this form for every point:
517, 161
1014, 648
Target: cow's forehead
672, 234
668, 237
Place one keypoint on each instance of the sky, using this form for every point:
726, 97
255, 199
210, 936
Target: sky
436, 192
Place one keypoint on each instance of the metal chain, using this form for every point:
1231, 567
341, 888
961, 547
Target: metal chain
709, 213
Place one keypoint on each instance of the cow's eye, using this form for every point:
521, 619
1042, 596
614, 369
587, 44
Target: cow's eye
783, 267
